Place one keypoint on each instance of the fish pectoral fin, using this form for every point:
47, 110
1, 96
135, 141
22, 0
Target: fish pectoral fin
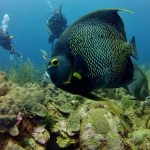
77, 75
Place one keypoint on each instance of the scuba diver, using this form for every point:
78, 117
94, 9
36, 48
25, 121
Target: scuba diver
5, 42
56, 25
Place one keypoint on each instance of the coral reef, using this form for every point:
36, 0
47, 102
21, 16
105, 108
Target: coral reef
46, 118
17, 103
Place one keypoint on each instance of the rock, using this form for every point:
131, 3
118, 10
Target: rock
73, 123
65, 142
15, 147
14, 131
41, 135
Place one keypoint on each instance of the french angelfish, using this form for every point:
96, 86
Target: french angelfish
93, 53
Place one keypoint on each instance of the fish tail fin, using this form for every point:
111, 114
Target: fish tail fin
134, 50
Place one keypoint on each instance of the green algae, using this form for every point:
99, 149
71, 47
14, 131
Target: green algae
25, 141
25, 72
49, 122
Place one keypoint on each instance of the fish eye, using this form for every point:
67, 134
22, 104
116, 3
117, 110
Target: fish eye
54, 62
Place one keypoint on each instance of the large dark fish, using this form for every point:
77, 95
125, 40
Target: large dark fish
93, 53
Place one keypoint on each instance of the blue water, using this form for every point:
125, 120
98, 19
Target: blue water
28, 23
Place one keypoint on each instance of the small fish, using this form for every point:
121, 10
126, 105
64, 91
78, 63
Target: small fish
93, 53
45, 56
46, 77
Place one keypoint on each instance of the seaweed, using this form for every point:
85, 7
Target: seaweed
25, 72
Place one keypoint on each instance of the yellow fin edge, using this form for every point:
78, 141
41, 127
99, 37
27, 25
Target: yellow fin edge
77, 75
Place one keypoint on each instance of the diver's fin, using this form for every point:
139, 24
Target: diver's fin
134, 50
108, 16
11, 56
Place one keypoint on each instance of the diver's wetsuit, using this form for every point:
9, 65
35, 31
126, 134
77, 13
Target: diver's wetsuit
56, 24
5, 42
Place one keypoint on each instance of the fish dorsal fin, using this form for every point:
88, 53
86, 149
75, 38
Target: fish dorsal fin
108, 16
